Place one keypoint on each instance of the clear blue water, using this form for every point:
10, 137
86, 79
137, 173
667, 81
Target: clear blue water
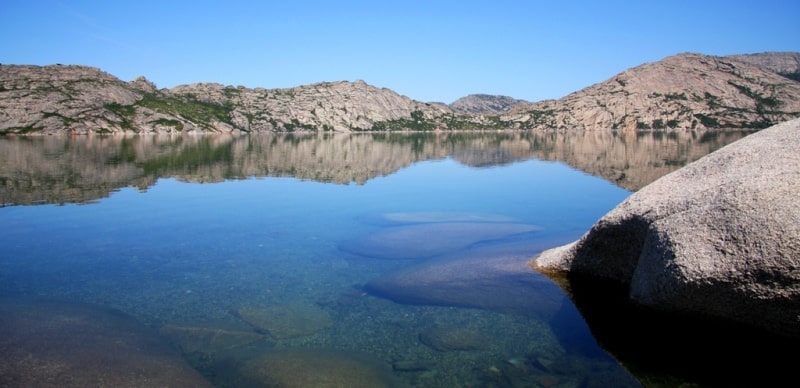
198, 255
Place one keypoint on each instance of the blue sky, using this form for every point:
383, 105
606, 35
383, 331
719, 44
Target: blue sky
427, 50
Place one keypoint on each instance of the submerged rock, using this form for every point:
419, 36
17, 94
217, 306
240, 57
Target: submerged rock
719, 237
422, 241
446, 339
433, 217
317, 368
484, 278
492, 277
286, 320
47, 343
208, 340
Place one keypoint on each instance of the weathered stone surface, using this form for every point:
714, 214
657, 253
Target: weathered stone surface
485, 104
422, 241
720, 236
779, 62
80, 99
685, 91
339, 106
286, 320
318, 368
55, 344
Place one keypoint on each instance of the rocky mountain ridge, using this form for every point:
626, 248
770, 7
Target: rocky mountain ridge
682, 92
485, 104
79, 99
785, 64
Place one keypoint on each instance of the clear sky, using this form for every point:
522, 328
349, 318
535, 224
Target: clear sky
427, 50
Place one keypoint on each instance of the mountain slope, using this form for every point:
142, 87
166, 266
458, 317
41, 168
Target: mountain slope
785, 64
684, 91
484, 104
79, 99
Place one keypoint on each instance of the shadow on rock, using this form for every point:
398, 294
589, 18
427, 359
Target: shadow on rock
668, 349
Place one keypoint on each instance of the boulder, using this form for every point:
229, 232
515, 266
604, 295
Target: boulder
719, 238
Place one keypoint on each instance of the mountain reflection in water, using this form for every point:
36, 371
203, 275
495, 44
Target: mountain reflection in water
280, 271
51, 169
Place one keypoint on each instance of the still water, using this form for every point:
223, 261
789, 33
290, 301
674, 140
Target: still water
270, 259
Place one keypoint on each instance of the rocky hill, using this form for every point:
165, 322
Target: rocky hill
785, 64
78, 99
485, 104
686, 91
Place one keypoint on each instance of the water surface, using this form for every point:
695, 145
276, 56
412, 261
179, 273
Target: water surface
407, 250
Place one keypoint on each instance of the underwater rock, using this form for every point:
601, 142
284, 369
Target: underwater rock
420, 241
208, 340
446, 339
286, 320
389, 219
484, 278
45, 343
318, 368
492, 277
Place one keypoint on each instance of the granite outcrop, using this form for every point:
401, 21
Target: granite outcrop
719, 237
682, 92
485, 104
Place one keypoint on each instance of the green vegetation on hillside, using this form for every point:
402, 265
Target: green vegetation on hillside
200, 112
417, 122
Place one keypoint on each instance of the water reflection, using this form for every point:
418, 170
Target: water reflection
82, 169
253, 275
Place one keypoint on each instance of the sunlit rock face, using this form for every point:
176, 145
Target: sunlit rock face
82, 100
484, 104
719, 237
684, 91
784, 63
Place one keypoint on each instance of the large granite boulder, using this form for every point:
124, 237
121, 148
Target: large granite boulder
720, 237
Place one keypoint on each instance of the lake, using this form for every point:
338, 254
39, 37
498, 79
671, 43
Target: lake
260, 256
